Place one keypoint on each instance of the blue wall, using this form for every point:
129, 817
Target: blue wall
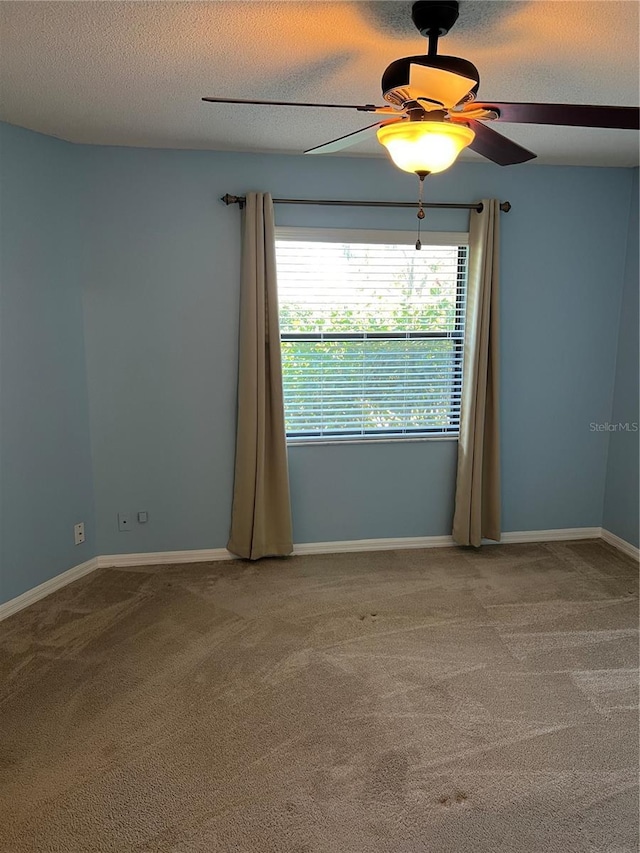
45, 463
161, 304
143, 235
621, 507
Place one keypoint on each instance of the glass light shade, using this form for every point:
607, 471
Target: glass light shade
424, 146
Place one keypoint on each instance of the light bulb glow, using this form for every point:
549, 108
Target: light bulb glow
424, 146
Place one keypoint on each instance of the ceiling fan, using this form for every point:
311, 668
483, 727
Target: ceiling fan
433, 113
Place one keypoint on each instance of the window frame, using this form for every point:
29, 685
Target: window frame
383, 237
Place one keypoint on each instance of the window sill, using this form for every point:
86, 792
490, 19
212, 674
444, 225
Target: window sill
322, 442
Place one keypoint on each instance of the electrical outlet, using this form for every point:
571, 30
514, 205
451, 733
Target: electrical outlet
78, 533
124, 521
143, 517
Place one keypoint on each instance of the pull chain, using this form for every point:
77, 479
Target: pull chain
420, 213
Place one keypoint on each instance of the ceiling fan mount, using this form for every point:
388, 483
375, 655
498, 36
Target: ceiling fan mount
434, 17
431, 112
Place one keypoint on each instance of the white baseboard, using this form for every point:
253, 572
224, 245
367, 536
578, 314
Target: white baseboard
561, 534
621, 544
46, 588
512, 537
164, 558
208, 555
350, 545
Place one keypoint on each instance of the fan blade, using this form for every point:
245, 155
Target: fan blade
347, 140
363, 108
496, 147
570, 115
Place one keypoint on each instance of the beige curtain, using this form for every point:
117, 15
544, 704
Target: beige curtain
477, 509
261, 513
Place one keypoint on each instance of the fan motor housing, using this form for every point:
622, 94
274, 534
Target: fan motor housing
396, 80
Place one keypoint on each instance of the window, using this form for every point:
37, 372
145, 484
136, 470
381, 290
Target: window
372, 333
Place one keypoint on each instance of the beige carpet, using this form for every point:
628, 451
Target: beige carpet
442, 701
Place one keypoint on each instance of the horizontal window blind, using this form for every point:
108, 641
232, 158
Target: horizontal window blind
372, 337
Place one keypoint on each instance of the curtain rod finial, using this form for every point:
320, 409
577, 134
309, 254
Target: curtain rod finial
233, 199
505, 207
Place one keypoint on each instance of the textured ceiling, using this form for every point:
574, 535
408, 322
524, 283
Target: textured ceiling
132, 73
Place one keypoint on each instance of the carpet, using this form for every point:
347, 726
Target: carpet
441, 700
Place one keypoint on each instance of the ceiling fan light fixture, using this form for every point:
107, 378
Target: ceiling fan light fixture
424, 146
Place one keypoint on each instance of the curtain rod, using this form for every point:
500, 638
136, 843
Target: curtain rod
505, 206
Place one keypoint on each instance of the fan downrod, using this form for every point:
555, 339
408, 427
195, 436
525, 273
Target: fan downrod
433, 19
